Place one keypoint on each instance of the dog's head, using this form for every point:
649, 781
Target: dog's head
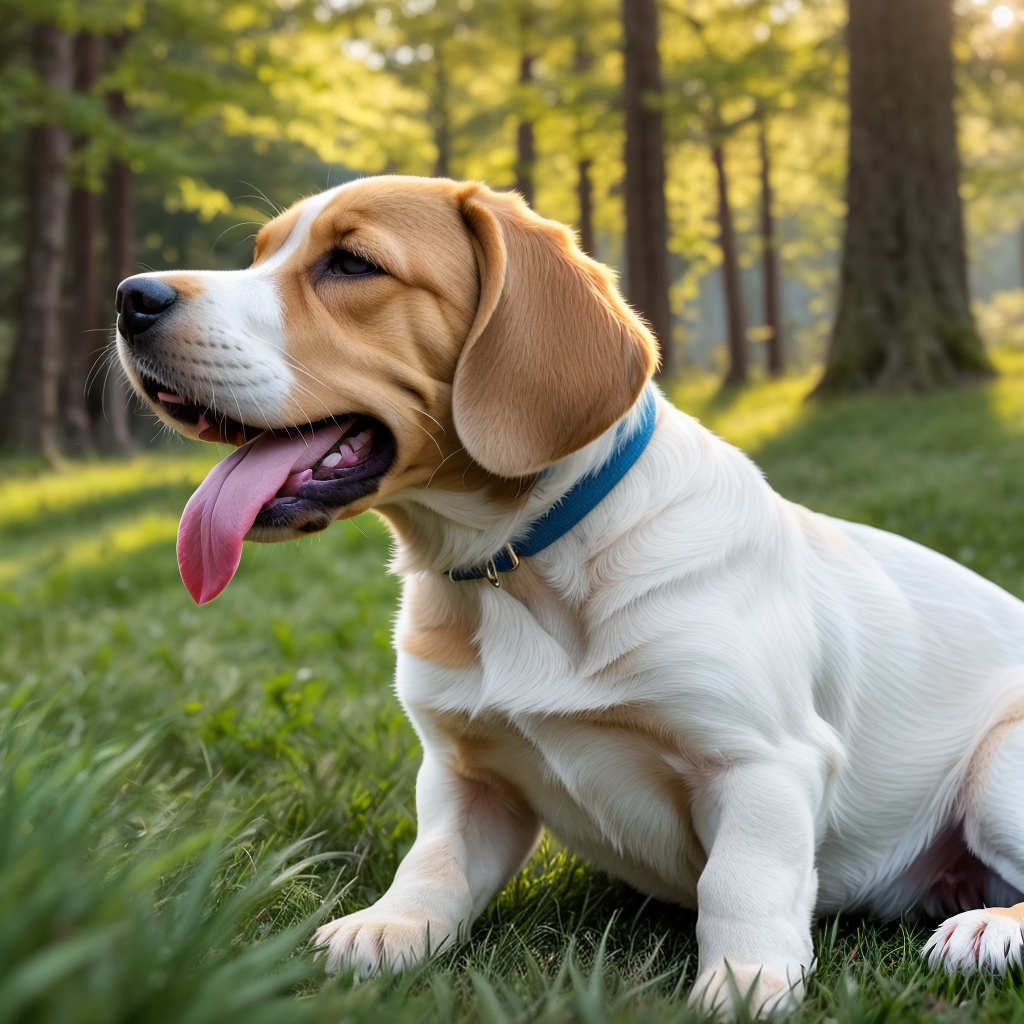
385, 328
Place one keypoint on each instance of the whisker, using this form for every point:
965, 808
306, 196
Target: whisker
436, 445
443, 461
102, 362
261, 195
423, 412
240, 224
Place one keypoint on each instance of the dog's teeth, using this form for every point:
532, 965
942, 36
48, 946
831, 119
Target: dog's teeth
348, 456
331, 460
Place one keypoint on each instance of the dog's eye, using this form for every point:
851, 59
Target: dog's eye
343, 263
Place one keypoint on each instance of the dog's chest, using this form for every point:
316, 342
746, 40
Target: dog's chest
609, 785
538, 713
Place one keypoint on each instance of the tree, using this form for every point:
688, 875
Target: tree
736, 332
903, 319
772, 287
647, 256
84, 319
29, 405
526, 143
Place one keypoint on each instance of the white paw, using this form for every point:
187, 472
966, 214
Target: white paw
977, 940
371, 940
722, 990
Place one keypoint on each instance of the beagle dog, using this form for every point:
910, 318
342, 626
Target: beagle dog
729, 701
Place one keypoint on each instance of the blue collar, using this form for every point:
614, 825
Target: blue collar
582, 499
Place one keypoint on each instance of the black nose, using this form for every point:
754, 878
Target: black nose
141, 301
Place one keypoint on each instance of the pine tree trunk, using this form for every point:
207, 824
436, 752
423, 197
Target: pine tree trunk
29, 421
585, 199
526, 146
440, 119
903, 319
775, 342
83, 337
647, 258
731, 287
121, 237
583, 61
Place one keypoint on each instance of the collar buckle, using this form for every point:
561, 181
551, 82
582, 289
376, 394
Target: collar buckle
492, 571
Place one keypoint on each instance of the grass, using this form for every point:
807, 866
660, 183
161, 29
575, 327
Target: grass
185, 791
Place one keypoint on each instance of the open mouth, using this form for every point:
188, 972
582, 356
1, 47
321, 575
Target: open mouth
361, 454
352, 467
205, 422
277, 483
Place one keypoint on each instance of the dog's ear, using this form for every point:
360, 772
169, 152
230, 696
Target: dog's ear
554, 356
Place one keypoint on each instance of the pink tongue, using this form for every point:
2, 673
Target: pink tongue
221, 512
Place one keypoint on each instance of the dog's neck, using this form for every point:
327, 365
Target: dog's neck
437, 530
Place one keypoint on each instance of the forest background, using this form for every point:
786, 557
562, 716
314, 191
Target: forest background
186, 792
179, 126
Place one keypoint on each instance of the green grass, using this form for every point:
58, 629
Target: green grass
185, 791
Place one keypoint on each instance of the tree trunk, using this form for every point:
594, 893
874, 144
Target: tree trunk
439, 118
29, 407
775, 342
903, 319
735, 327
83, 337
585, 198
121, 238
647, 258
582, 63
526, 147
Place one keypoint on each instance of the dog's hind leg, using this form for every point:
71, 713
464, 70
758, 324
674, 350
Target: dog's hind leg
991, 938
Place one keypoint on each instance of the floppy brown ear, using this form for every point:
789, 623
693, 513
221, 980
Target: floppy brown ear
554, 356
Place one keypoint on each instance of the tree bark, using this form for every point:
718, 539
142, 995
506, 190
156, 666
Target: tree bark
903, 318
121, 239
83, 337
775, 342
29, 421
582, 63
731, 286
526, 146
439, 117
647, 257
585, 199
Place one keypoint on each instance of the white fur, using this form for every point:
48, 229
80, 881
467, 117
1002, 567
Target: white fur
821, 687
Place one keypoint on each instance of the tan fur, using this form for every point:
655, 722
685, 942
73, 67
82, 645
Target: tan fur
389, 346
545, 368
441, 623
188, 285
485, 751
272, 236
1014, 913
983, 755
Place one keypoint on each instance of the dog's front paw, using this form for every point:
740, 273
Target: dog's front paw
371, 940
985, 940
724, 989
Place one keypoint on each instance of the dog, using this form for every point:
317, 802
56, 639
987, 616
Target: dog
610, 624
